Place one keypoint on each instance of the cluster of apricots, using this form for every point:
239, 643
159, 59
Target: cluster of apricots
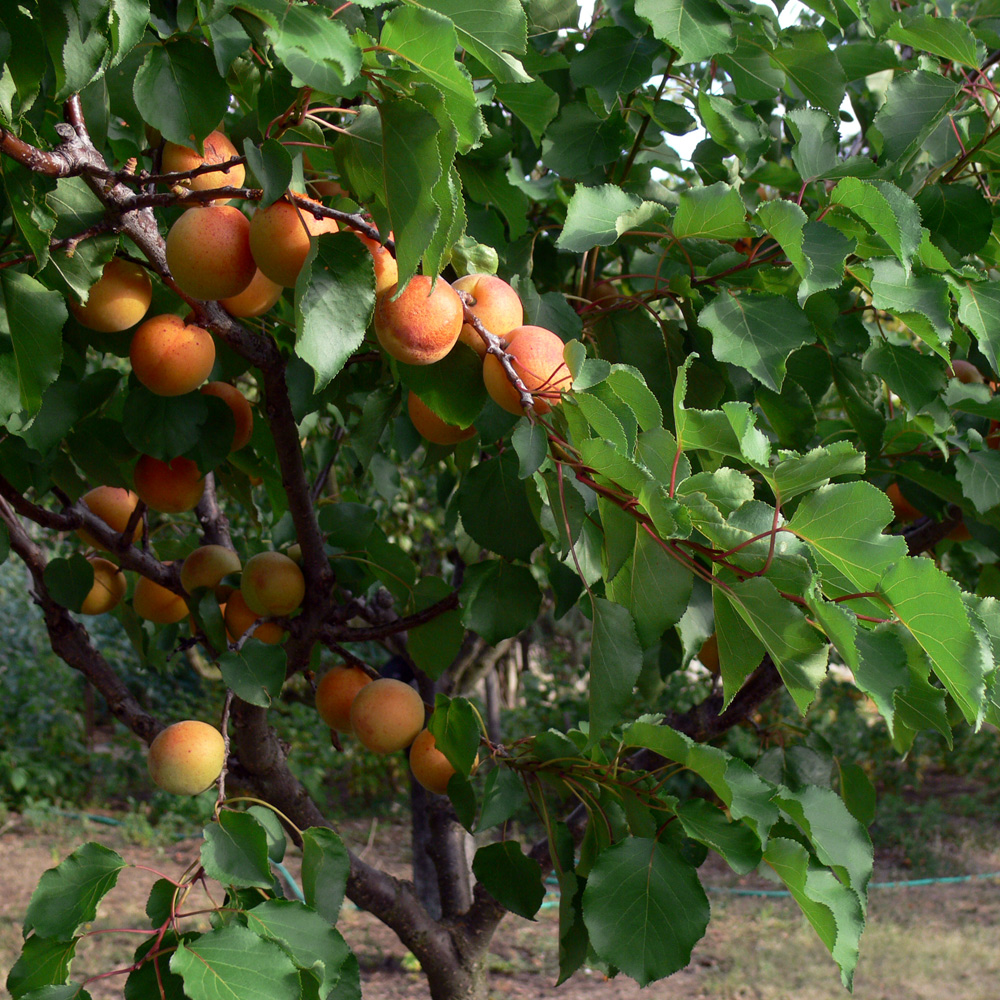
425, 322
385, 715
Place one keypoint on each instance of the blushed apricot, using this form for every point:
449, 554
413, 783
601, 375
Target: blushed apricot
117, 300
256, 299
709, 654
431, 426
538, 361
421, 326
279, 239
157, 604
387, 715
386, 269
497, 306
114, 506
237, 402
208, 252
178, 159
429, 766
169, 358
335, 694
902, 509
966, 372
272, 584
238, 618
187, 757
169, 487
108, 588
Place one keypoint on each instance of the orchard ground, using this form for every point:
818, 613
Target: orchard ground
927, 943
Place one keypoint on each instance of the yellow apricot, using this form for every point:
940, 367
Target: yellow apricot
386, 269
256, 299
420, 326
178, 159
208, 252
108, 588
431, 426
237, 402
238, 618
170, 358
117, 300
272, 584
279, 239
206, 566
335, 694
429, 766
114, 506
157, 604
386, 715
187, 757
538, 361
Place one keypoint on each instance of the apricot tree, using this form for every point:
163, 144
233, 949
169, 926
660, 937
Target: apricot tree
728, 350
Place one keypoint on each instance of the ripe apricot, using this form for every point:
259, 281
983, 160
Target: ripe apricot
208, 252
272, 584
117, 300
279, 239
387, 715
108, 588
431, 426
386, 269
206, 566
218, 149
157, 604
421, 326
496, 306
238, 618
709, 654
538, 361
256, 299
187, 757
966, 372
169, 358
169, 487
429, 766
902, 509
335, 695
114, 506
237, 402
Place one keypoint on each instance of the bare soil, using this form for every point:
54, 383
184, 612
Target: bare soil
930, 943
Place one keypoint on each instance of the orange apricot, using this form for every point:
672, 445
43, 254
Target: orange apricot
537, 358
114, 506
170, 358
157, 604
335, 694
431, 426
386, 715
497, 306
169, 487
709, 654
429, 766
108, 588
272, 584
422, 325
187, 757
256, 299
279, 239
117, 300
208, 252
902, 509
386, 269
237, 402
238, 618
218, 149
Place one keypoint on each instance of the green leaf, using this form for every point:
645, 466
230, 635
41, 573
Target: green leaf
69, 581
235, 851
452, 387
715, 212
489, 184
816, 138
531, 442
533, 104
334, 302
929, 604
28, 202
979, 309
798, 650
615, 663
948, 37
491, 498
644, 908
305, 935
800, 473
809, 62
435, 644
513, 880
709, 825
33, 317
68, 895
598, 216
235, 962
882, 669
957, 215
920, 300
915, 104
756, 332
178, 90
918, 379
503, 795
325, 868
255, 673
428, 40
578, 141
753, 75
834, 911
886, 209
276, 840
979, 474
653, 586
630, 387
43, 962
454, 725
697, 29
613, 62
490, 39
734, 126
499, 599
272, 166
347, 525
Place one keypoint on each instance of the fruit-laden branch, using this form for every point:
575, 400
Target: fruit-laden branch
348, 633
214, 524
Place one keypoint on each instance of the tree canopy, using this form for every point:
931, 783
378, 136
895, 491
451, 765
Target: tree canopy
775, 426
